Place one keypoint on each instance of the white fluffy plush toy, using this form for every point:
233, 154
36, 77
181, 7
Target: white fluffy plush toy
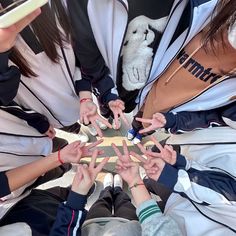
137, 55
232, 35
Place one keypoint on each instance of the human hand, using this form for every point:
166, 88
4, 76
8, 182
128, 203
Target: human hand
87, 150
86, 175
167, 153
71, 153
51, 132
154, 168
127, 169
89, 114
117, 107
158, 121
8, 35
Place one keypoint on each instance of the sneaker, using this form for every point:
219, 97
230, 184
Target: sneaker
108, 180
101, 125
92, 130
114, 124
131, 134
137, 139
82, 137
118, 181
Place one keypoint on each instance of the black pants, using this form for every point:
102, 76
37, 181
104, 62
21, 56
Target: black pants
38, 210
110, 198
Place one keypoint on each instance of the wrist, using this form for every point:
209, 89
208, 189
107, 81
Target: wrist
136, 182
85, 94
83, 100
59, 158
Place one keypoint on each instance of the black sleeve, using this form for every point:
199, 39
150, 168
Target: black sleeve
9, 79
92, 64
5, 189
33, 119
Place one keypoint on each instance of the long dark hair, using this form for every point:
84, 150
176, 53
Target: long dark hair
48, 34
223, 17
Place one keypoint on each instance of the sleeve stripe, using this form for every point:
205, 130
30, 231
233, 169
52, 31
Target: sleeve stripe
145, 213
72, 219
77, 223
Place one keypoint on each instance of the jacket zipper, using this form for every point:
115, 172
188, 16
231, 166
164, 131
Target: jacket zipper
172, 57
202, 92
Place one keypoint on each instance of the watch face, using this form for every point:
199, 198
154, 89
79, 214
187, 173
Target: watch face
11, 6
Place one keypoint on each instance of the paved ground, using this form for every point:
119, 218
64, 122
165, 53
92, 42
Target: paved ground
110, 136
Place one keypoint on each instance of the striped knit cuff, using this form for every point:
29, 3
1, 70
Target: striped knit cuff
148, 211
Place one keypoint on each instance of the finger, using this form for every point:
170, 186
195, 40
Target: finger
85, 173
104, 121
102, 164
125, 148
169, 148
20, 25
148, 121
94, 144
95, 125
138, 157
122, 116
116, 150
129, 164
116, 119
146, 130
142, 148
158, 145
85, 119
93, 159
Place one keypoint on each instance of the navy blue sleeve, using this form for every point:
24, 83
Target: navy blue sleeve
185, 121
92, 65
70, 216
34, 119
9, 79
5, 189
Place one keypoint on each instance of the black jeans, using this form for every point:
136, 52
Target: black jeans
110, 198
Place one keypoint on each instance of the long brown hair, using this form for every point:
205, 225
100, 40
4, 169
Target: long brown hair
223, 17
49, 35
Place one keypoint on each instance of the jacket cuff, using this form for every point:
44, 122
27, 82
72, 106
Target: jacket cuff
42, 125
82, 85
147, 210
109, 97
168, 177
170, 120
4, 61
5, 189
76, 201
180, 162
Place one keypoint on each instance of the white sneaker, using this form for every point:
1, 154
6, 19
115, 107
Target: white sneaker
118, 182
137, 139
101, 125
108, 180
114, 124
82, 137
92, 130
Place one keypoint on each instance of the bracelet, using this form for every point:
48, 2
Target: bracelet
135, 185
86, 100
59, 156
